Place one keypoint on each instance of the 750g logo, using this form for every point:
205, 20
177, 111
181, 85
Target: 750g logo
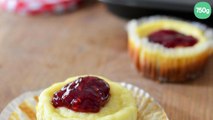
202, 10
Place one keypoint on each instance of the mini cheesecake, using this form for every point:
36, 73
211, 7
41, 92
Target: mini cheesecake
86, 98
167, 49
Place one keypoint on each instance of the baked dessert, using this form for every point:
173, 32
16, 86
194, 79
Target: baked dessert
86, 98
167, 49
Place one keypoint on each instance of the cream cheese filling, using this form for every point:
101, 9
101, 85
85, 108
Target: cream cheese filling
121, 106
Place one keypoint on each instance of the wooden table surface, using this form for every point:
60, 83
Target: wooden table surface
38, 51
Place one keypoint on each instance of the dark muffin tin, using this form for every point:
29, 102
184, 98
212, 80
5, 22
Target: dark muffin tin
139, 8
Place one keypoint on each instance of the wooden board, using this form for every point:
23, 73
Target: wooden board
38, 51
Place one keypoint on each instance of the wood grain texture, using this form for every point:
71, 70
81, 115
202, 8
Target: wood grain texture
38, 51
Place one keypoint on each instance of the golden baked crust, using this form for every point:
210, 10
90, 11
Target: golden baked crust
166, 64
121, 106
26, 110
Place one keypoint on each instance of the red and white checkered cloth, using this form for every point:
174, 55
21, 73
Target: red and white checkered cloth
38, 6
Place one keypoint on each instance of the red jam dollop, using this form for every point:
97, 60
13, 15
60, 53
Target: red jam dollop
172, 39
86, 94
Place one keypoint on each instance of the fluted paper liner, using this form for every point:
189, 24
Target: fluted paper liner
23, 107
165, 64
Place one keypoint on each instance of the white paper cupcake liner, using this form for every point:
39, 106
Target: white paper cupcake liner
159, 63
24, 106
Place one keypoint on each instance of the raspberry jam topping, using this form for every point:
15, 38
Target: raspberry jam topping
86, 94
172, 39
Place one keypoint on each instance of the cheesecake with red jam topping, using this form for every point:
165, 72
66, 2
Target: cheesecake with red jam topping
86, 94
169, 50
86, 98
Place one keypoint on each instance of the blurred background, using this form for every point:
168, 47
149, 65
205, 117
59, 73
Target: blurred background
138, 8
